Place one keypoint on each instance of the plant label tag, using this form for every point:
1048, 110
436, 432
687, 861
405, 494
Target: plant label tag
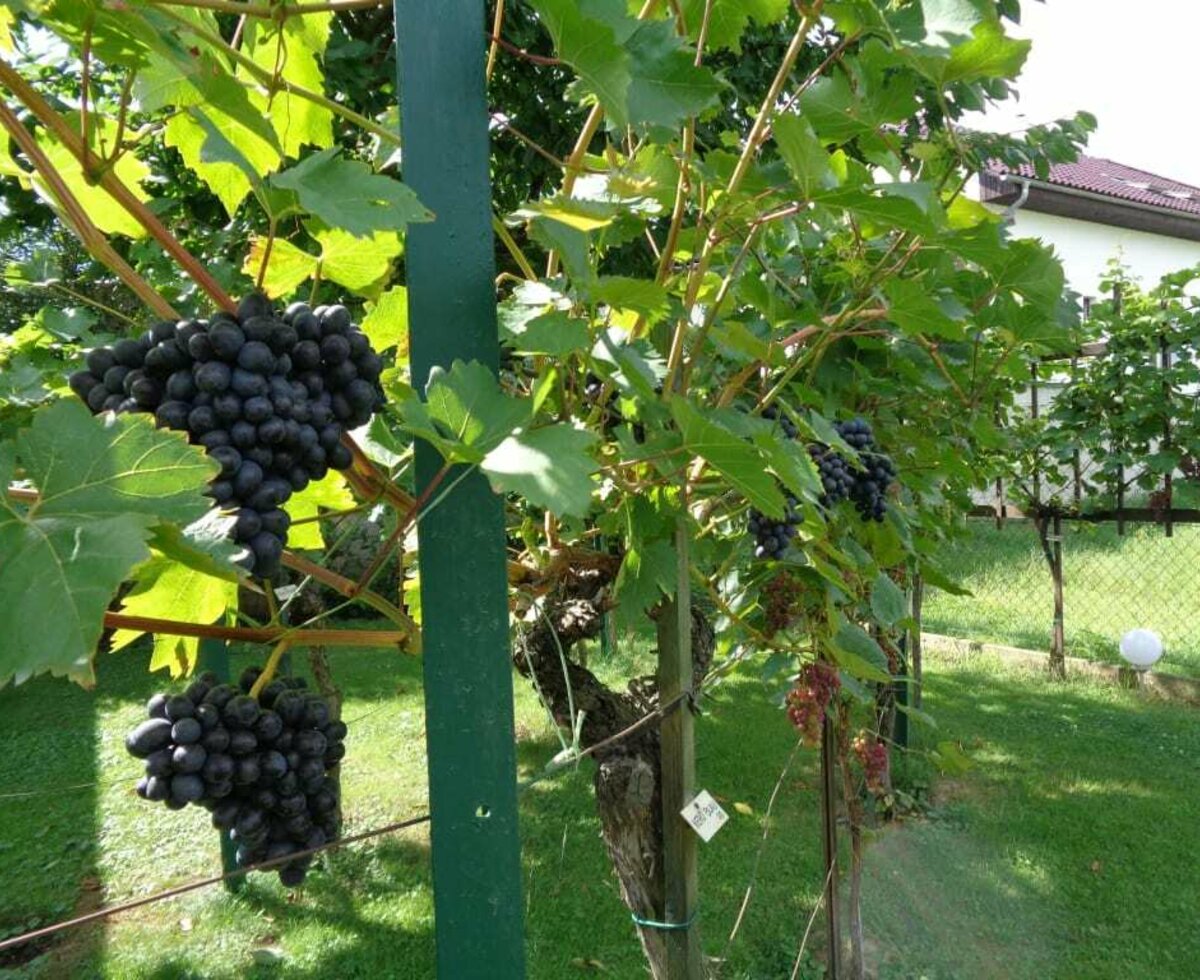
704, 815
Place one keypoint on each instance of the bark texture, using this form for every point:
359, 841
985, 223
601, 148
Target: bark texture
627, 778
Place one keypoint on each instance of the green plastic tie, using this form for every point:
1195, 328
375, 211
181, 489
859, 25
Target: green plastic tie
664, 926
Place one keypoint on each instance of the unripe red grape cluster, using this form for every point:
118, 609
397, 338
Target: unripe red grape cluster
268, 396
809, 699
780, 596
872, 755
259, 765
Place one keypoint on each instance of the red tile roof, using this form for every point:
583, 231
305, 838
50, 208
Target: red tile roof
1110, 179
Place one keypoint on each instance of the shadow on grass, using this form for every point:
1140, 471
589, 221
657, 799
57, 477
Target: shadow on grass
1080, 812
48, 823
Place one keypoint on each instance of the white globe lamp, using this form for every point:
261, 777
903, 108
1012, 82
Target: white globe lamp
1141, 648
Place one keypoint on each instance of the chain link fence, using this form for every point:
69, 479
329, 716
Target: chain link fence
1112, 583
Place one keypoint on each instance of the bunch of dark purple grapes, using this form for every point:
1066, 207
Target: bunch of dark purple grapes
772, 536
269, 396
840, 480
868, 488
260, 766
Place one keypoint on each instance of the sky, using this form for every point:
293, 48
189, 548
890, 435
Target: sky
1134, 64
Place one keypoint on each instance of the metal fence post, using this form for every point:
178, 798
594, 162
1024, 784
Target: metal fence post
450, 265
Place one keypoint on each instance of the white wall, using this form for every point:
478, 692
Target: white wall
1086, 247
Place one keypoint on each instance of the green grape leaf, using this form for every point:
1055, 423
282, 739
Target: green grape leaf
888, 604
165, 589
359, 264
911, 306
65, 571
292, 49
556, 333
330, 493
287, 265
647, 574
387, 323
470, 410
803, 153
643, 296
112, 464
107, 215
222, 153
641, 72
990, 53
549, 466
733, 458
858, 654
205, 545
728, 19
346, 194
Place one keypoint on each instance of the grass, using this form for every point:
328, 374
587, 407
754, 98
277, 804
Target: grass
1002, 881
1110, 583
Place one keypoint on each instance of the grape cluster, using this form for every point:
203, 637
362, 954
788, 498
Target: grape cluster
868, 488
269, 397
872, 755
808, 700
771, 536
780, 596
260, 766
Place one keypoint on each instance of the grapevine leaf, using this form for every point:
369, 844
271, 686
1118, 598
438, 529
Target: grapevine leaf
888, 604
857, 653
468, 405
730, 456
109, 216
647, 573
165, 589
291, 48
112, 464
549, 466
556, 333
387, 323
205, 545
642, 296
65, 571
911, 306
346, 194
228, 158
359, 264
728, 19
287, 265
641, 72
330, 493
990, 53
803, 153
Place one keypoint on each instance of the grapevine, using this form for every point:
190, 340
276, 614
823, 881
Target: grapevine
268, 396
260, 765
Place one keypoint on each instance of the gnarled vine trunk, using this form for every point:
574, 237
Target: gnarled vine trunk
628, 771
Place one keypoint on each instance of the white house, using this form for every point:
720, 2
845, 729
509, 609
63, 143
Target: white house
1092, 211
1095, 210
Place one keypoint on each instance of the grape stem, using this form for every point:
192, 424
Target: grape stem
76, 217
349, 589
269, 634
269, 668
108, 179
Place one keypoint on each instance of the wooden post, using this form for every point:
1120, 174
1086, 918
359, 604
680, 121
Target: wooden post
685, 958
213, 655
918, 599
1120, 466
1058, 660
450, 268
1169, 476
1033, 408
829, 838
1076, 464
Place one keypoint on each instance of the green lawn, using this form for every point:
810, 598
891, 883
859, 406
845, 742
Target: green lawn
1110, 584
999, 881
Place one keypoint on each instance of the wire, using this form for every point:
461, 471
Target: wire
205, 882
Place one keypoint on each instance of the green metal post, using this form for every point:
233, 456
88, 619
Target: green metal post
468, 674
214, 656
